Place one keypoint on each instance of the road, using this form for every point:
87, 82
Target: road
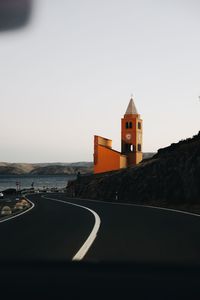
58, 227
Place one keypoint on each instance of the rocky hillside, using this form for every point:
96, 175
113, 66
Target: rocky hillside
170, 178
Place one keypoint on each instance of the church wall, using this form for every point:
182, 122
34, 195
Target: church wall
106, 159
123, 161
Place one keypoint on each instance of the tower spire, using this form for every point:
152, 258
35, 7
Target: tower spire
131, 109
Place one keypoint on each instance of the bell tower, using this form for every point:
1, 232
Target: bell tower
131, 135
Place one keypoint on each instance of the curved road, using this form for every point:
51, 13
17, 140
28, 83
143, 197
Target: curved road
57, 230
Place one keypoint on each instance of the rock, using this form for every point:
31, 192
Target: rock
25, 203
6, 211
18, 206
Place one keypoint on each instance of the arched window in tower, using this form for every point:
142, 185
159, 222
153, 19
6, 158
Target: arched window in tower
139, 147
139, 125
129, 125
129, 148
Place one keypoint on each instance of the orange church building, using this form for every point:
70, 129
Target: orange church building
107, 159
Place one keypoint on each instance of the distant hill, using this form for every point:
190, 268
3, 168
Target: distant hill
63, 169
15, 169
45, 168
170, 179
57, 168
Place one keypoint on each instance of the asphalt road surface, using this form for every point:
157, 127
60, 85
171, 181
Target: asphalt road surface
59, 228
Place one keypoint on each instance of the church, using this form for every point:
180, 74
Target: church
107, 159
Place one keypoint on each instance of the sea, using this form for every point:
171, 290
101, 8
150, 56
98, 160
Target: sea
36, 181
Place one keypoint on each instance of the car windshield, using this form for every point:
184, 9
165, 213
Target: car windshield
100, 142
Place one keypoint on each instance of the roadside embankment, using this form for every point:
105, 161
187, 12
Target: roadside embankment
170, 179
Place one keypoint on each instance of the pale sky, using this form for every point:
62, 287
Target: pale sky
70, 73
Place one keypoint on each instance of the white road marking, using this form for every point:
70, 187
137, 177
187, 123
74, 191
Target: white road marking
19, 214
171, 209
138, 205
90, 240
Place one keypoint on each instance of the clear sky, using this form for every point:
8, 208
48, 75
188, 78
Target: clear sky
70, 73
